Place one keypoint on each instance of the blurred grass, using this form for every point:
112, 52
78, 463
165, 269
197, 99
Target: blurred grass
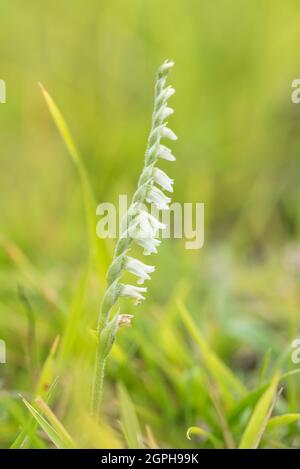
238, 152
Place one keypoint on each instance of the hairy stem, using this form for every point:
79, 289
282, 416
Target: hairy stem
98, 383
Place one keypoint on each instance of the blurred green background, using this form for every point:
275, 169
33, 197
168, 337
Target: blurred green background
238, 152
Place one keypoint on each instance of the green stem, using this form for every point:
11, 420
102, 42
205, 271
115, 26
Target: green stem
98, 383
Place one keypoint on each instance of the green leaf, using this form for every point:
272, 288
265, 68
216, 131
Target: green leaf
56, 424
260, 416
227, 381
28, 433
27, 436
282, 420
129, 421
264, 366
251, 398
57, 439
247, 401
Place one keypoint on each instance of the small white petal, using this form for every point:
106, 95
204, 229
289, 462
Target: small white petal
149, 245
167, 93
163, 113
131, 291
165, 153
158, 198
141, 227
156, 224
145, 225
168, 133
161, 178
167, 111
138, 268
166, 66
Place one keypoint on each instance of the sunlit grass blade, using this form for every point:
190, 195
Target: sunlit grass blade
151, 441
229, 384
28, 436
97, 245
249, 400
56, 424
198, 431
282, 420
53, 433
129, 421
260, 416
47, 373
45, 387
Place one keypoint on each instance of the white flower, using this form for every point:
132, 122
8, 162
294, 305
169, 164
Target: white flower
156, 224
166, 66
165, 153
166, 93
138, 268
145, 226
158, 198
161, 178
168, 133
131, 291
149, 245
164, 113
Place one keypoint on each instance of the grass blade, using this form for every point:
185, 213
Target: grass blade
198, 431
227, 381
56, 424
47, 373
73, 321
260, 416
129, 421
264, 366
98, 246
50, 431
28, 270
282, 420
45, 387
247, 401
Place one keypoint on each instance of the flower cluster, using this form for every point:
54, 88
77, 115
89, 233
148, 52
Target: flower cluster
139, 225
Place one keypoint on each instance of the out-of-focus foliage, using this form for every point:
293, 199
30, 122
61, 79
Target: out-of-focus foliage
218, 322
